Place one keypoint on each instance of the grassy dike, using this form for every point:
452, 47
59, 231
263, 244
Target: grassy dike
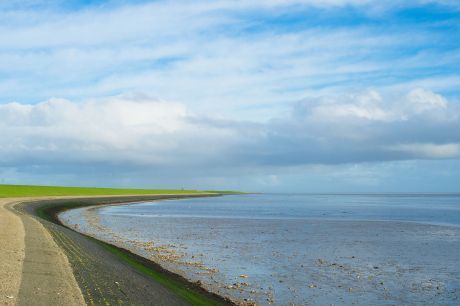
48, 210
11, 191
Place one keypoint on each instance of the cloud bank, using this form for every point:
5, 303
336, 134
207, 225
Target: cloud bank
140, 131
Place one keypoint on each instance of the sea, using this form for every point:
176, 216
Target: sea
296, 249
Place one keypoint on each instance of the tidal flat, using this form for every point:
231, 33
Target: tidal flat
301, 249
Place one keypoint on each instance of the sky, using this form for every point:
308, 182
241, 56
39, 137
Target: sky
270, 96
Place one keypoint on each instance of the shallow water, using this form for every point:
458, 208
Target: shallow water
281, 249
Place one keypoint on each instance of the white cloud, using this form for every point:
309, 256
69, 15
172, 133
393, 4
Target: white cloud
370, 105
424, 100
133, 129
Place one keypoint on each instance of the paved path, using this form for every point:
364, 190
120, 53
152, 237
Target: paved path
11, 254
33, 269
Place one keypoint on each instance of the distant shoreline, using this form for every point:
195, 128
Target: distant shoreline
48, 210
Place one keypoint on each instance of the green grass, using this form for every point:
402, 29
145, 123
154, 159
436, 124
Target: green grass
191, 296
10, 191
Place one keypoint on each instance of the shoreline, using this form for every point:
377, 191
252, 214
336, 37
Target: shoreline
359, 254
48, 209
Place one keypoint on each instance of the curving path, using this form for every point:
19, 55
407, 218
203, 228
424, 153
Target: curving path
11, 253
34, 270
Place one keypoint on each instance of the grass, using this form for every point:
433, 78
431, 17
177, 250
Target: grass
191, 296
10, 191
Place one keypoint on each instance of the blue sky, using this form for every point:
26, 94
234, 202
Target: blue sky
294, 95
